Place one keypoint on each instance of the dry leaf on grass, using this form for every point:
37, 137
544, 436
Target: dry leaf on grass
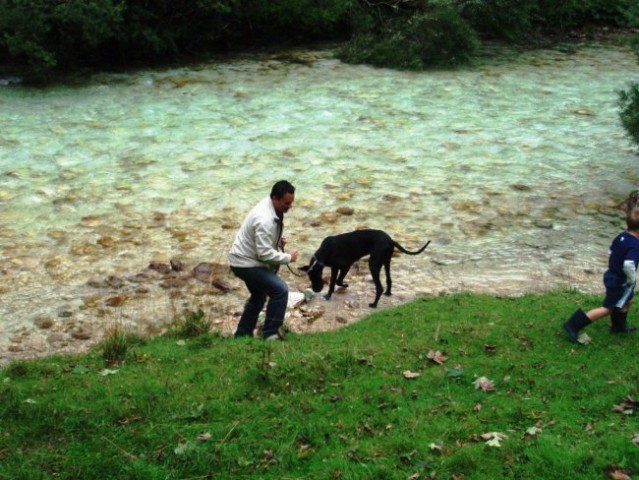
532, 431
490, 348
584, 339
494, 439
483, 383
616, 473
627, 406
411, 375
436, 357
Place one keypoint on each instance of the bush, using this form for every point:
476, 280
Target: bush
578, 14
439, 37
194, 324
500, 19
277, 21
114, 346
42, 34
629, 111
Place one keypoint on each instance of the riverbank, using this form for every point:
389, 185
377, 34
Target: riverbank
514, 171
147, 302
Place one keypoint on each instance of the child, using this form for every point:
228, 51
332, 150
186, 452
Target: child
619, 279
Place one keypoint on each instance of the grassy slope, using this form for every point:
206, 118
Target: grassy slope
337, 405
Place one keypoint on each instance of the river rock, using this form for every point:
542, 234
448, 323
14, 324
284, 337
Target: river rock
174, 283
222, 285
106, 242
177, 265
115, 301
81, 335
160, 267
44, 322
347, 211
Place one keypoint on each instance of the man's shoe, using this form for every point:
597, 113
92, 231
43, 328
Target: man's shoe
280, 335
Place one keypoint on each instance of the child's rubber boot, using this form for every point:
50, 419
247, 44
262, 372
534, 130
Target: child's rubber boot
575, 323
619, 323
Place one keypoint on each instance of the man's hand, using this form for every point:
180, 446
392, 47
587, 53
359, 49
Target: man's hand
282, 242
293, 256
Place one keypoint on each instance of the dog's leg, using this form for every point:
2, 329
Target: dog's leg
389, 282
331, 285
340, 278
375, 266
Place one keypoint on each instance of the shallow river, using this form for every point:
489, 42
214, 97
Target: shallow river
513, 170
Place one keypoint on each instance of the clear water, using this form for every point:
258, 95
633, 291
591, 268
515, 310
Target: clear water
512, 170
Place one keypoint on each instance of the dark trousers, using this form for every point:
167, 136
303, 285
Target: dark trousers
262, 283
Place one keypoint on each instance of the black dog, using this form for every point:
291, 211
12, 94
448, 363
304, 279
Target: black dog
340, 252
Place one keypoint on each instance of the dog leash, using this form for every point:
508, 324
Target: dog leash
289, 267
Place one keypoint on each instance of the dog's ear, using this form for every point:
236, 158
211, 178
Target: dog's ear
304, 268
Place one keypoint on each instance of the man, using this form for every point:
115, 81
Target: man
254, 257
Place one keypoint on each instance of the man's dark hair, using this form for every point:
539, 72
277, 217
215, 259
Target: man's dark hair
281, 188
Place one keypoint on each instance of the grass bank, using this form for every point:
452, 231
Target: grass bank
456, 387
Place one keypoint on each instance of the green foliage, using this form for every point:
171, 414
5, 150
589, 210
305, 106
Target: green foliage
629, 111
44, 36
439, 37
114, 346
571, 14
193, 324
276, 21
338, 404
500, 19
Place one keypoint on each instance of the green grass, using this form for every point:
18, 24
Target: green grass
337, 405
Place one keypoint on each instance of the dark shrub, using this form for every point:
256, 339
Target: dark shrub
629, 111
437, 37
510, 20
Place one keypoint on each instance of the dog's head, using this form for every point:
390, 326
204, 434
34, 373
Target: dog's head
314, 271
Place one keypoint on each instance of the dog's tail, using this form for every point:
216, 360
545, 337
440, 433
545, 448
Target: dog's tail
402, 249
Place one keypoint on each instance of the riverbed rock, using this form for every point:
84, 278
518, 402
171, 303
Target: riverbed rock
177, 265
115, 301
160, 267
43, 322
347, 211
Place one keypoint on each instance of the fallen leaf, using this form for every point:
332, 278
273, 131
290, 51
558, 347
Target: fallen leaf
532, 431
490, 348
436, 357
434, 447
615, 473
411, 375
494, 442
494, 439
106, 372
182, 448
489, 435
484, 384
203, 437
584, 339
627, 406
477, 407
